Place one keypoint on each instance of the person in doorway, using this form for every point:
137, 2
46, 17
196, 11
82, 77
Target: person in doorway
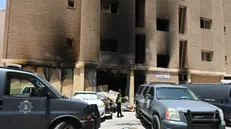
118, 102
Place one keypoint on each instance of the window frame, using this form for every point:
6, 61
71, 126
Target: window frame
182, 19
207, 56
70, 7
206, 23
146, 87
152, 90
116, 2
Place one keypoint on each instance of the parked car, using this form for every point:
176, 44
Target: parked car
42, 107
90, 98
167, 106
216, 94
110, 106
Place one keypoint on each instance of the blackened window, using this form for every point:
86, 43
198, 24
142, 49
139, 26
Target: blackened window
162, 61
69, 42
140, 49
110, 6
109, 45
140, 7
71, 3
162, 24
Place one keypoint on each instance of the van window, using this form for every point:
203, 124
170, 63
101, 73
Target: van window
20, 85
140, 90
145, 90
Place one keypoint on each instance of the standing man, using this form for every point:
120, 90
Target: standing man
118, 102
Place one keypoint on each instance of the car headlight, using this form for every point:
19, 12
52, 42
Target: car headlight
221, 114
172, 114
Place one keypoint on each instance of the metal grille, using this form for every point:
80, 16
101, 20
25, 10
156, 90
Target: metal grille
199, 120
109, 58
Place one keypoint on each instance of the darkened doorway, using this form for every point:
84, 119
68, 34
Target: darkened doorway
115, 79
140, 78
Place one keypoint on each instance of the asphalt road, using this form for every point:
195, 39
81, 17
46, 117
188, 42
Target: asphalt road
129, 121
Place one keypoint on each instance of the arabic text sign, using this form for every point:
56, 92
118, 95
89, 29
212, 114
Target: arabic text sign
164, 75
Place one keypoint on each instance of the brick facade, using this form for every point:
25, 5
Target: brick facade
36, 31
2, 25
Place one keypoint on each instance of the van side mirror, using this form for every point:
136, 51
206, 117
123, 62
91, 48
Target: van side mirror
148, 96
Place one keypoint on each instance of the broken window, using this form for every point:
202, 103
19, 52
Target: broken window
183, 54
71, 3
110, 6
182, 19
207, 56
162, 61
109, 45
206, 23
140, 49
162, 24
69, 42
140, 7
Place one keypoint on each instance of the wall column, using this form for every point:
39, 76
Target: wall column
189, 78
131, 88
78, 83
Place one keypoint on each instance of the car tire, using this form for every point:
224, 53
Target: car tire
138, 115
155, 124
67, 125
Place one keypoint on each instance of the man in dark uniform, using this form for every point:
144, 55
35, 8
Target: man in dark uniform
118, 102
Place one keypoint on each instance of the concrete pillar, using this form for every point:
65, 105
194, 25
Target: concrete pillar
132, 87
78, 80
90, 30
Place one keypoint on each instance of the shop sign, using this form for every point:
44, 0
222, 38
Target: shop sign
163, 75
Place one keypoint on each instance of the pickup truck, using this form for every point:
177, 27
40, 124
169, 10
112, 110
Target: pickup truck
43, 107
167, 106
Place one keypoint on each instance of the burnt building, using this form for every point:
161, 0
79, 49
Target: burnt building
83, 45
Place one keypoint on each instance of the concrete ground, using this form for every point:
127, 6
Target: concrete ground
129, 121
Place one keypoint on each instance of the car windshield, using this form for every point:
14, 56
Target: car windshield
175, 94
85, 96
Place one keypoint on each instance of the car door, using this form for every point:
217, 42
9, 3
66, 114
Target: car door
227, 104
148, 102
23, 111
142, 97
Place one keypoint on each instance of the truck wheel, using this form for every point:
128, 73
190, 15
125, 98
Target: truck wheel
67, 125
138, 112
155, 122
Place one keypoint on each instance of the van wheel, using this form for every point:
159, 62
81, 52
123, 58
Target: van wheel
67, 125
155, 122
138, 112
